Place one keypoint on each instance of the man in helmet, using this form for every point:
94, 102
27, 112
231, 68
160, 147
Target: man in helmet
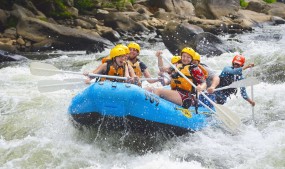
139, 67
231, 74
116, 66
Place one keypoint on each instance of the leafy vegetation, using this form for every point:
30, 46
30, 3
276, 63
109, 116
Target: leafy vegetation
269, 1
243, 3
11, 22
84, 4
119, 4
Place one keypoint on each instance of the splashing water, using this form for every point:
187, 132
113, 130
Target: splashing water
36, 132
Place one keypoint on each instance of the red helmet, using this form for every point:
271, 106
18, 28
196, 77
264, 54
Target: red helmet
239, 59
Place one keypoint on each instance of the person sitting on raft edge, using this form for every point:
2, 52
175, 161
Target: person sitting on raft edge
116, 66
182, 92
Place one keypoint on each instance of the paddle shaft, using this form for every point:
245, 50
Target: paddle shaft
252, 107
55, 70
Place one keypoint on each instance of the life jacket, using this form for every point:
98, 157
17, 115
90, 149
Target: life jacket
198, 74
225, 81
105, 59
136, 67
112, 71
179, 82
205, 72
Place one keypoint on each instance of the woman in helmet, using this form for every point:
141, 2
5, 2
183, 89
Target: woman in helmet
115, 67
105, 59
231, 74
182, 92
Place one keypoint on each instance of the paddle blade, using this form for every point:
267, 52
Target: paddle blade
55, 85
230, 119
245, 82
43, 69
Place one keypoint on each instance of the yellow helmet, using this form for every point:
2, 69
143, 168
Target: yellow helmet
135, 46
197, 57
117, 51
124, 47
175, 59
188, 50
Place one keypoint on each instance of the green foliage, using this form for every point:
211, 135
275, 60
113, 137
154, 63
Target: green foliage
84, 4
60, 10
243, 3
119, 4
11, 22
269, 1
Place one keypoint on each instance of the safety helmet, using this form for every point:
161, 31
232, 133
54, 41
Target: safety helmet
124, 47
135, 46
117, 51
239, 59
175, 59
188, 50
197, 57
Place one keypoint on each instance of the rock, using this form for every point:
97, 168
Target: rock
121, 22
73, 11
210, 45
182, 8
4, 15
66, 38
20, 41
247, 18
167, 16
21, 12
108, 33
6, 56
258, 6
277, 20
142, 9
101, 14
277, 9
177, 36
83, 24
10, 33
215, 9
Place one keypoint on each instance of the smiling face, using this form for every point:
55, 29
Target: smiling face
133, 53
186, 58
120, 60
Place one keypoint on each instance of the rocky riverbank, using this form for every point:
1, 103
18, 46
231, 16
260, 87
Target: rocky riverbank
29, 26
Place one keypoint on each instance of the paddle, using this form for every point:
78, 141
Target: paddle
44, 69
55, 85
67, 84
230, 119
250, 81
252, 107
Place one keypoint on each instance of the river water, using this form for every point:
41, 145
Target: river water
36, 132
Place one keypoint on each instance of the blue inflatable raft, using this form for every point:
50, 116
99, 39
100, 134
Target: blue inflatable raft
122, 106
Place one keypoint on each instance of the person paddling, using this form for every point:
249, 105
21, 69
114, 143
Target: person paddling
212, 81
115, 67
139, 67
231, 74
182, 92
